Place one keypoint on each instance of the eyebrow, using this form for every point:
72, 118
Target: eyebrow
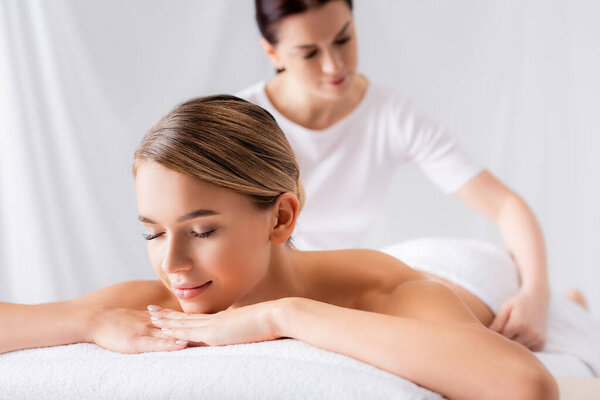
310, 46
185, 217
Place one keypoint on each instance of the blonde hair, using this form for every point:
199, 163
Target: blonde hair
226, 141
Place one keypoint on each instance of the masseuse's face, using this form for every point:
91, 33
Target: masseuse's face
200, 233
317, 48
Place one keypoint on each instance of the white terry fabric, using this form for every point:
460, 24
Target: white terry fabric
346, 168
482, 268
281, 369
573, 340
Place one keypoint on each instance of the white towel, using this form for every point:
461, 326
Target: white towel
573, 341
280, 369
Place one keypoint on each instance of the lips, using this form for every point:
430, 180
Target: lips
185, 291
187, 285
338, 81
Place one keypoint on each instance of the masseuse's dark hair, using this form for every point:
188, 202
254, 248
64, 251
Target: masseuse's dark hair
270, 12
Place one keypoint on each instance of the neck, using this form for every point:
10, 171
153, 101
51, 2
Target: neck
282, 278
300, 106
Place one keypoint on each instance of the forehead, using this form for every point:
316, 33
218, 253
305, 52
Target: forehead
164, 195
314, 25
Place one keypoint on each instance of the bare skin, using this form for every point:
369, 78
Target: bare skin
360, 282
345, 278
319, 47
577, 297
361, 303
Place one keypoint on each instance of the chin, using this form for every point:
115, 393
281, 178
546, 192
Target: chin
191, 307
335, 93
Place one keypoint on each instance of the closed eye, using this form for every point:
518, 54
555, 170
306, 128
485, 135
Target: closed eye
147, 236
310, 55
338, 42
203, 235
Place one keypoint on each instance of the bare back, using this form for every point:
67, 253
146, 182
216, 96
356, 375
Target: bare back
361, 279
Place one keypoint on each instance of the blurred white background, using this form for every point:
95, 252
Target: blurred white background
516, 82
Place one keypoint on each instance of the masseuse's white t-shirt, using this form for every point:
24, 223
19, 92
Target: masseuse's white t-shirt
346, 168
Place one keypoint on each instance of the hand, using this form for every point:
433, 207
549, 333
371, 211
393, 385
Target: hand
522, 318
248, 324
129, 331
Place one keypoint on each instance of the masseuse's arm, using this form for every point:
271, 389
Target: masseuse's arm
111, 317
523, 317
431, 338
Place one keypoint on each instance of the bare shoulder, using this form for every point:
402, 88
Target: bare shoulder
370, 280
420, 299
131, 294
345, 277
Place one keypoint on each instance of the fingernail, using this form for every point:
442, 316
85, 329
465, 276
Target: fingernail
166, 329
153, 308
156, 318
180, 342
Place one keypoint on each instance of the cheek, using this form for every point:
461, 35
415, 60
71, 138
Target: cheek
245, 254
156, 260
304, 70
350, 56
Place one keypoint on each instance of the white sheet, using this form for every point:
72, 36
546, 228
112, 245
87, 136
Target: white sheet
281, 369
573, 341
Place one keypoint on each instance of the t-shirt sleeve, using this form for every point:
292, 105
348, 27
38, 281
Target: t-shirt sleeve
433, 150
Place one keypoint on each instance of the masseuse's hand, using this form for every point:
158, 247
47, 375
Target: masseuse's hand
246, 324
128, 331
522, 318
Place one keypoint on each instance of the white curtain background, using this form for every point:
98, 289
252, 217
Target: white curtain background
81, 82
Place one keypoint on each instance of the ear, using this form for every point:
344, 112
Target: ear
284, 215
270, 51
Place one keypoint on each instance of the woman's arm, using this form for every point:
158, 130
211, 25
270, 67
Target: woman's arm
107, 317
420, 331
432, 339
27, 326
523, 317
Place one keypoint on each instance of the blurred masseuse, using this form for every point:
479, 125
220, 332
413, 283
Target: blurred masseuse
349, 135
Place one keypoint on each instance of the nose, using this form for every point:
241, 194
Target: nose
330, 62
176, 258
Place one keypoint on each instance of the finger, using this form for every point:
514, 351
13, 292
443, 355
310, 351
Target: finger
178, 323
525, 340
154, 309
511, 329
176, 315
149, 344
501, 319
191, 335
536, 342
156, 332
538, 346
169, 314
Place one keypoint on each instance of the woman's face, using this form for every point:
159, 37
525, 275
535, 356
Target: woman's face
199, 233
317, 48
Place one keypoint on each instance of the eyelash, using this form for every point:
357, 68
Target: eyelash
338, 42
202, 235
150, 237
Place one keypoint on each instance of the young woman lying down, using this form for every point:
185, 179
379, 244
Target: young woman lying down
219, 192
